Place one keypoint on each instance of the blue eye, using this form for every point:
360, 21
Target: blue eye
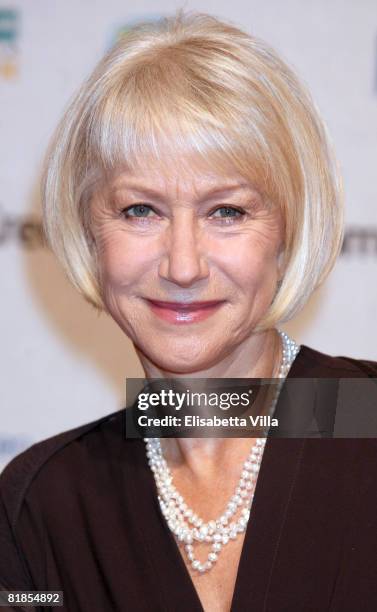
230, 212
140, 211
226, 214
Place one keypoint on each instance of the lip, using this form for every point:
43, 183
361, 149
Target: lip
183, 312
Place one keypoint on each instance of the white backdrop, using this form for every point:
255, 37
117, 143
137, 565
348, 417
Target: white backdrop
61, 364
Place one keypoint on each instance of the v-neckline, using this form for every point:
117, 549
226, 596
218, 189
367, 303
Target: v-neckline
273, 492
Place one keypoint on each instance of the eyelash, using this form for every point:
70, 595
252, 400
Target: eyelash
227, 220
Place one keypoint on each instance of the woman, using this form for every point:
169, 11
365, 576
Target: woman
190, 192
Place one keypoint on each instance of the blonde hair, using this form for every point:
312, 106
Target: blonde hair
193, 84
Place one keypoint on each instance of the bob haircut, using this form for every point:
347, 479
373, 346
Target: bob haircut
192, 85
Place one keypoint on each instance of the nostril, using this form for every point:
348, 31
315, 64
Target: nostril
183, 263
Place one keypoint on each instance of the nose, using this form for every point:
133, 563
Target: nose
183, 261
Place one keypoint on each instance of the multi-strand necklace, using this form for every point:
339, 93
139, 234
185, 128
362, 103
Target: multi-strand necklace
185, 524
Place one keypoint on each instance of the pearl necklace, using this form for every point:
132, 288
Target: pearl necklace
220, 531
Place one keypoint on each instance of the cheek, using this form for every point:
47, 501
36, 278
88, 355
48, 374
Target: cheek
251, 262
121, 260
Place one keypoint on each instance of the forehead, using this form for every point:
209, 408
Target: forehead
179, 177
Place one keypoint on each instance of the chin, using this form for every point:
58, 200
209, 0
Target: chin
181, 359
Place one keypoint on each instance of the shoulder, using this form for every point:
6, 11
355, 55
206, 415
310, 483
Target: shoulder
18, 476
42, 480
310, 362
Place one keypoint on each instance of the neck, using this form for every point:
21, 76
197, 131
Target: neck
260, 357
206, 458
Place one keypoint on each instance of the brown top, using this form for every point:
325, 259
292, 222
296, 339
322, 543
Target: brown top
79, 513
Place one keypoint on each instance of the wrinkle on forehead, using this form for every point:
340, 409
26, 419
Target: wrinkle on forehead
178, 176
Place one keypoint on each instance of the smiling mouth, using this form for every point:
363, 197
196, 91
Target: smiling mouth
183, 312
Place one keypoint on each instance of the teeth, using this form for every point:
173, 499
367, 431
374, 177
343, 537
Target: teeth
184, 316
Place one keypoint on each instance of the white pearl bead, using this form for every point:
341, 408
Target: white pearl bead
176, 511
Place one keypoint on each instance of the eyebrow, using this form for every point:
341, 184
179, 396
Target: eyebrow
208, 195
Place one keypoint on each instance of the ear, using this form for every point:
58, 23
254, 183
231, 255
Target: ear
92, 245
281, 263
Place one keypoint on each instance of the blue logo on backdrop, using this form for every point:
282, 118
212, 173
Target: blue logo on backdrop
9, 20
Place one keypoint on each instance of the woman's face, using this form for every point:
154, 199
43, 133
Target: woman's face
180, 236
